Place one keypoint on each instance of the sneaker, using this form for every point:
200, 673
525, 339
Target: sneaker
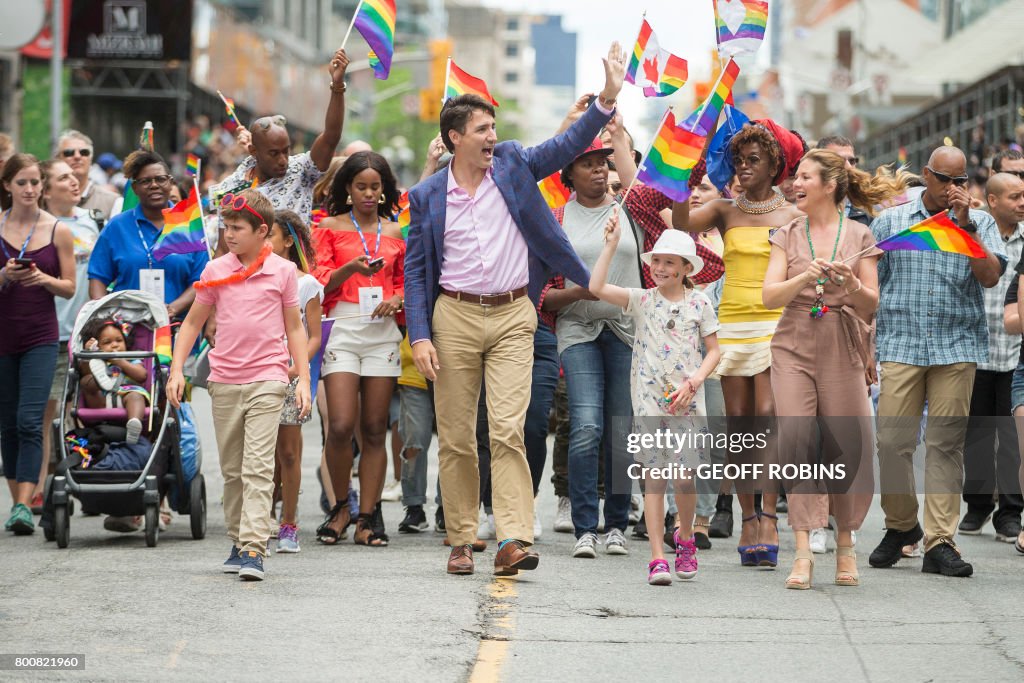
486, 531
439, 521
563, 517
288, 539
134, 430
973, 522
20, 521
251, 568
686, 559
233, 563
415, 520
392, 492
945, 559
658, 573
636, 508
890, 549
615, 543
819, 541
586, 546
123, 525
537, 528
103, 377
1007, 530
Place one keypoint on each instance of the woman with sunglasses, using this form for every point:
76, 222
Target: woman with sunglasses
764, 154
123, 257
38, 265
823, 270
360, 257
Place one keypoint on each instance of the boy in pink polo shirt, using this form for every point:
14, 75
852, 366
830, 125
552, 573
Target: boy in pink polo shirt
257, 302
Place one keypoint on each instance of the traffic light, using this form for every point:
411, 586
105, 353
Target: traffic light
430, 97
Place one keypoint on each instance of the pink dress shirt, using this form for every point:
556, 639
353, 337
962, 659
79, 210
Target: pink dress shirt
484, 252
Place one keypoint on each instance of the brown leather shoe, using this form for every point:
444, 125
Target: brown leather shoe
461, 560
512, 557
478, 545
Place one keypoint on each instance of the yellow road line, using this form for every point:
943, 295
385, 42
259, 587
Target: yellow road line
499, 623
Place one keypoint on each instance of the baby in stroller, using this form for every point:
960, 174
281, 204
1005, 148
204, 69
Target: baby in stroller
116, 383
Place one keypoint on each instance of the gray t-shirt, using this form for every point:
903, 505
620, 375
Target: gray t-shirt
583, 321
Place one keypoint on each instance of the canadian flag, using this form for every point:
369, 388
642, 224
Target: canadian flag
657, 71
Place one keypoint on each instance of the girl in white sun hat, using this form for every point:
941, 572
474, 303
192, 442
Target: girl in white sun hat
666, 381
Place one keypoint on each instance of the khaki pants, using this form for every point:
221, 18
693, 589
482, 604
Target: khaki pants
903, 391
246, 417
494, 344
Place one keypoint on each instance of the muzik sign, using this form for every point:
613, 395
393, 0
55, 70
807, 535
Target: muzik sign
131, 29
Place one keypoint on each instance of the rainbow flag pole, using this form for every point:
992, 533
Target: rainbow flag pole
230, 108
938, 233
351, 24
202, 216
447, 78
622, 202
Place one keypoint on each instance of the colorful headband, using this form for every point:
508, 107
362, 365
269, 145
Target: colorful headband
120, 323
298, 248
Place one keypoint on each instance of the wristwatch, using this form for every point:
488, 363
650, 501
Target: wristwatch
971, 226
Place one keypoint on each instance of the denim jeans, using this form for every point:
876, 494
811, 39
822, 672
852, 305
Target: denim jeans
416, 426
535, 428
25, 378
597, 381
707, 489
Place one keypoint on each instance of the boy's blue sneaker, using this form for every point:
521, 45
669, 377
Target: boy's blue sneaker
233, 563
252, 567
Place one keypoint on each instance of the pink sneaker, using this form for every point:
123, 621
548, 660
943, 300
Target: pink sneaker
686, 557
658, 573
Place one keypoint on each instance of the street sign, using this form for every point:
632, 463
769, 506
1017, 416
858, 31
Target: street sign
20, 22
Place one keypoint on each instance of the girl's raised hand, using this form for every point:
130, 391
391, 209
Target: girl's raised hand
612, 231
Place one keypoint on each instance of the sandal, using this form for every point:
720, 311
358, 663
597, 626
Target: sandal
364, 525
768, 555
846, 578
328, 536
748, 553
802, 582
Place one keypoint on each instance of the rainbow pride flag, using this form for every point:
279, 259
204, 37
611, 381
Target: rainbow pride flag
146, 137
183, 229
555, 193
459, 82
740, 25
162, 344
657, 71
404, 215
375, 21
938, 233
192, 164
717, 99
671, 159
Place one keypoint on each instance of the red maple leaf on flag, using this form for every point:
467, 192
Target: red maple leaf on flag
651, 72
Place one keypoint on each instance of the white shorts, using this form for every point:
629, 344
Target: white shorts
364, 349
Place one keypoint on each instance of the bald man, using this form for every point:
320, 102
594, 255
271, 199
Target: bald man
356, 146
287, 180
991, 454
932, 334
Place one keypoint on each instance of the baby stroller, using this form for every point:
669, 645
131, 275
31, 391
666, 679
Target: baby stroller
120, 492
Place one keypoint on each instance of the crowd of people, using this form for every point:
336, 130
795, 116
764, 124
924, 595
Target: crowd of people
759, 306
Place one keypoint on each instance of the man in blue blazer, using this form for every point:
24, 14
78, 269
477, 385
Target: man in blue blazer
481, 238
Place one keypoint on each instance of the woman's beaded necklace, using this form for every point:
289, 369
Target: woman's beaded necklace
760, 208
819, 308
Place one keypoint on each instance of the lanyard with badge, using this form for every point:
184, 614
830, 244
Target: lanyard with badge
151, 279
369, 297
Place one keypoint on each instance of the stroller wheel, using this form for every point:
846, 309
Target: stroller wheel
197, 507
61, 526
47, 521
152, 525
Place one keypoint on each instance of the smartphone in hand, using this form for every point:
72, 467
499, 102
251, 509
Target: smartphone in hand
377, 262
24, 262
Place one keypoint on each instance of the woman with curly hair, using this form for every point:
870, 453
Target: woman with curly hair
360, 257
763, 154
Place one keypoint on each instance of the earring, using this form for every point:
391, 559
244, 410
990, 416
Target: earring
381, 202
348, 200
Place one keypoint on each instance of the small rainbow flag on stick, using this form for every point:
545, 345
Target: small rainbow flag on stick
146, 137
375, 21
555, 193
716, 101
162, 344
192, 165
657, 71
671, 158
938, 233
229, 107
740, 25
404, 215
183, 228
131, 200
458, 82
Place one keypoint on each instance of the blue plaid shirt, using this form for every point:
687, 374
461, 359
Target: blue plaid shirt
931, 307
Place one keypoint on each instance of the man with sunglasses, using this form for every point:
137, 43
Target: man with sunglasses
932, 334
76, 148
843, 146
1009, 161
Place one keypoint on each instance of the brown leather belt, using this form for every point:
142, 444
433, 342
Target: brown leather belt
487, 299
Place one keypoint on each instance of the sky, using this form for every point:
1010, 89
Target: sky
683, 27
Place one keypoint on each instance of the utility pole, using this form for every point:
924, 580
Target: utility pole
56, 70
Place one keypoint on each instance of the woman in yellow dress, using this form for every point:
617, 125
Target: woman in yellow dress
763, 155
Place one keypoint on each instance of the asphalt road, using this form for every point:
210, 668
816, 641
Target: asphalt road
354, 613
